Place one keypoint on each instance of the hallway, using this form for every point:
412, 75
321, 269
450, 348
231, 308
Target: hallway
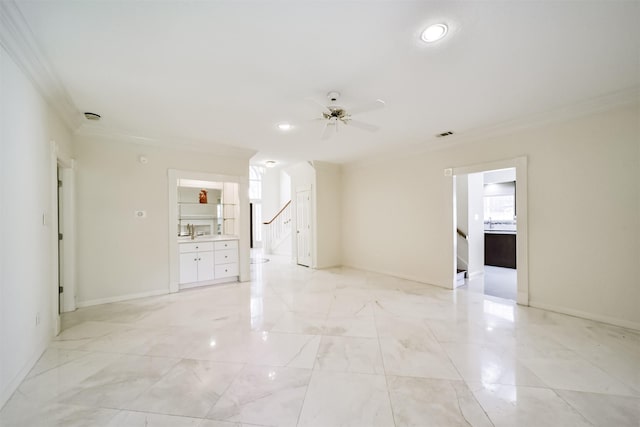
303, 347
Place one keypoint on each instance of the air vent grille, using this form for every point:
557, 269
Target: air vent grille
443, 134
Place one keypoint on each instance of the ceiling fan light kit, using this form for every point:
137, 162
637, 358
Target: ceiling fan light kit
335, 115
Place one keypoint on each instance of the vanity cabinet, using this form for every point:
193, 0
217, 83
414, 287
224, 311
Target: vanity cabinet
196, 262
226, 259
209, 262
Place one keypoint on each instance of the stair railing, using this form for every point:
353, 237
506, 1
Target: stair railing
278, 228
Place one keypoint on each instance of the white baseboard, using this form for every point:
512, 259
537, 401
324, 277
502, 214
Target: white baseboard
399, 276
232, 279
585, 315
119, 298
8, 391
475, 273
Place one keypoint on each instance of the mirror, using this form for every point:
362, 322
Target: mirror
207, 208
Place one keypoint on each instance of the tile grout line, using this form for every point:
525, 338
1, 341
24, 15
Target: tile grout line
384, 368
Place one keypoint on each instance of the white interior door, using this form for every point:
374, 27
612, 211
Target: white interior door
303, 227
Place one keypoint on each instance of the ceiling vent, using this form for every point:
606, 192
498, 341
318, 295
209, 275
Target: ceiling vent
92, 116
443, 134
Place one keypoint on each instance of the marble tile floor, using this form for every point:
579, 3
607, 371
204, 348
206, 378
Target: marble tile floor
340, 347
496, 281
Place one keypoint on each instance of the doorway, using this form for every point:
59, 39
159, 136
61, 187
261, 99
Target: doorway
490, 229
303, 227
62, 229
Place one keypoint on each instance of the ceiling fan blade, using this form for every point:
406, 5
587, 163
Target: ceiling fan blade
324, 107
362, 125
326, 132
375, 105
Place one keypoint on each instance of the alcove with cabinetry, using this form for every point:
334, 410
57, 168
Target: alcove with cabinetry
207, 218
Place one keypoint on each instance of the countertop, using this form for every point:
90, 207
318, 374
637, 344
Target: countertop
215, 238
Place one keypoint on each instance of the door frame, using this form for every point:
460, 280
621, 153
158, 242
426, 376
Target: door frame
300, 189
522, 230
63, 264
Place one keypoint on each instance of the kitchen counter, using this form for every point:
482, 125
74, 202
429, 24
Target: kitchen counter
216, 238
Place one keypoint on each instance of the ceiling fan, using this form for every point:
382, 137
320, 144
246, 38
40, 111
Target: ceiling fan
335, 115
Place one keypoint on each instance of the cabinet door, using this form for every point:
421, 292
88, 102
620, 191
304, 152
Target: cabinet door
189, 267
205, 266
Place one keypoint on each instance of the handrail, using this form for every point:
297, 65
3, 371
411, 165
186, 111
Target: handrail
279, 212
461, 234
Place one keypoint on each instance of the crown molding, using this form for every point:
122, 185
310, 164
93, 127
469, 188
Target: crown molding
106, 135
623, 98
18, 40
610, 101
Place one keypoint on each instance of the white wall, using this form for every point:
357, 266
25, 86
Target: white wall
27, 125
271, 193
285, 188
584, 216
462, 221
328, 215
476, 223
120, 255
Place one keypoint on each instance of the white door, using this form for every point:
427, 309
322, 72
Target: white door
303, 227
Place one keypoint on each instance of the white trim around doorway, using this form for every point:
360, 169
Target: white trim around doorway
522, 233
67, 268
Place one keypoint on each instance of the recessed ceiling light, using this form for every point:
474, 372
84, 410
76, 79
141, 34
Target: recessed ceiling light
434, 33
270, 163
284, 126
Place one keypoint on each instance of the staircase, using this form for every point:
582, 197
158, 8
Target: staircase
461, 271
278, 230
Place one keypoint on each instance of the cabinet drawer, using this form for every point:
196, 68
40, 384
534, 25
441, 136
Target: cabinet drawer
226, 270
226, 244
227, 256
195, 246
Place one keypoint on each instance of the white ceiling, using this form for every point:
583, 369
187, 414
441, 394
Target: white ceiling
226, 72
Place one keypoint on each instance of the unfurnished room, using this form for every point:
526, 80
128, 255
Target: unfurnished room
319, 213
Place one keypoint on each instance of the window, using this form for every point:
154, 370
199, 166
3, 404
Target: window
255, 182
500, 208
500, 201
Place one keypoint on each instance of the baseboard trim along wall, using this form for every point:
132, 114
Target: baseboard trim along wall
8, 391
585, 315
398, 276
120, 298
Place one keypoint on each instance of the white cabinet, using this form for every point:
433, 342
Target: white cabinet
226, 259
196, 262
205, 262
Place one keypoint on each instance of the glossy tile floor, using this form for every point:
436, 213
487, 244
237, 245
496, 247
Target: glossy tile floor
298, 347
496, 281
